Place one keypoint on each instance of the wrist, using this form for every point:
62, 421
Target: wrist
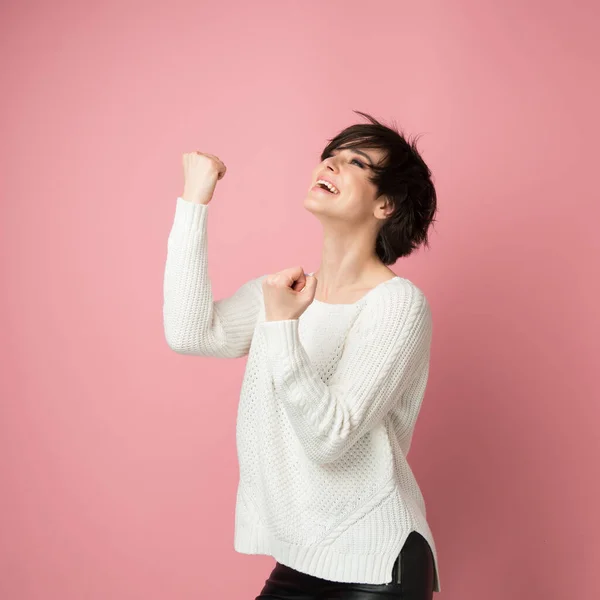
196, 198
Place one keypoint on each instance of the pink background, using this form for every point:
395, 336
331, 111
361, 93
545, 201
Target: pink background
118, 463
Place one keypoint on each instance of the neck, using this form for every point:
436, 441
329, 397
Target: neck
347, 263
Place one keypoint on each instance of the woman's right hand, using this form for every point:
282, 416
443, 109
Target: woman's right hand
201, 172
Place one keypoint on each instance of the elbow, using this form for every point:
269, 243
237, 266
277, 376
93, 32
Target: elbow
170, 330
327, 451
324, 454
172, 342
185, 344
330, 444
176, 347
207, 349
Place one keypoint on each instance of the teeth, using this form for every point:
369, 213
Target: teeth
330, 186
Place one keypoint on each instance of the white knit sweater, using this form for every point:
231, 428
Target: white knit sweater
326, 414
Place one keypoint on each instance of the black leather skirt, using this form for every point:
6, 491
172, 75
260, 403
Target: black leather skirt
412, 579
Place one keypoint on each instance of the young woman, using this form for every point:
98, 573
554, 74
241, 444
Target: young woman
338, 362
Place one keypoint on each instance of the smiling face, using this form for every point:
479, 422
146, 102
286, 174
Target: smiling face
350, 194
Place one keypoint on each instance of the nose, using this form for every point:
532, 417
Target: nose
331, 164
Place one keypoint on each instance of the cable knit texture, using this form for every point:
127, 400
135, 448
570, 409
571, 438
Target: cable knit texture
326, 415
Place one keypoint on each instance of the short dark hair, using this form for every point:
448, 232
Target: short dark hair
403, 177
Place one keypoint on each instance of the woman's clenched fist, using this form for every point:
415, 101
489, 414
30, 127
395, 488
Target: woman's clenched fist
201, 171
288, 293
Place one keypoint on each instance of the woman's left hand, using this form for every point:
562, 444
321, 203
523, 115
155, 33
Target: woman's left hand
288, 293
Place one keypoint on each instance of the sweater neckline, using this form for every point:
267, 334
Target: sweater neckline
361, 299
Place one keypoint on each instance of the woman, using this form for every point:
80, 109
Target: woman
338, 361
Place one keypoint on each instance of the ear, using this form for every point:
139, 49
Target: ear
389, 208
385, 209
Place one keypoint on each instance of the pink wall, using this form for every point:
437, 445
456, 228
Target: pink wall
118, 465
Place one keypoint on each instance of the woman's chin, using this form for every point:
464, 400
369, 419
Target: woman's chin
313, 203
317, 201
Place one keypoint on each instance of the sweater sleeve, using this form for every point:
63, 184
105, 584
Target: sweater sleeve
386, 350
194, 323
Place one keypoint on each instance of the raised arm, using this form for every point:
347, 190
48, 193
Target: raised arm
194, 322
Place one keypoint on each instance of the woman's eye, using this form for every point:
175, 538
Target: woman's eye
354, 160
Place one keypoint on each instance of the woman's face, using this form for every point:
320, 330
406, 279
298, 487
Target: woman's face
354, 196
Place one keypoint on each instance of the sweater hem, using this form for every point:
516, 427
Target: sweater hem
321, 561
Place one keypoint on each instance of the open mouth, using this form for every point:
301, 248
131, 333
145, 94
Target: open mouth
328, 187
